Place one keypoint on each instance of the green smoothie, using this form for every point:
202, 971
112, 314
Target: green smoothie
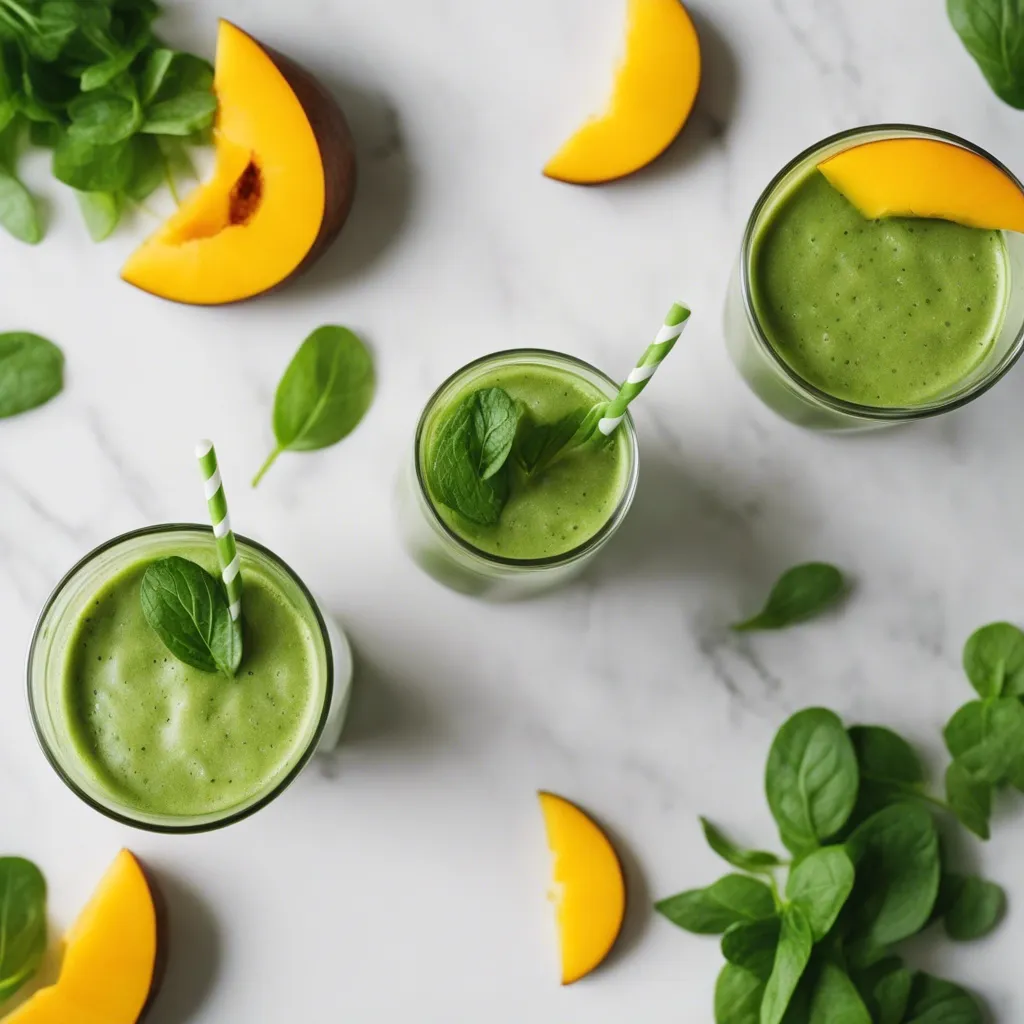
168, 739
561, 508
887, 313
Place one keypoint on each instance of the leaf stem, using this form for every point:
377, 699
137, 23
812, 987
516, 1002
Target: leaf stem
16, 8
271, 459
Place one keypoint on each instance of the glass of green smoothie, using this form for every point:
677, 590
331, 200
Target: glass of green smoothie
839, 322
151, 741
555, 514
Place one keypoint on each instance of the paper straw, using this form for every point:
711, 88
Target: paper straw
644, 370
227, 550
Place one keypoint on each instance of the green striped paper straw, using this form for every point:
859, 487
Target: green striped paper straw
644, 370
227, 550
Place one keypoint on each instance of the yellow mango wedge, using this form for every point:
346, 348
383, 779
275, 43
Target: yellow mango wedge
655, 89
590, 889
927, 178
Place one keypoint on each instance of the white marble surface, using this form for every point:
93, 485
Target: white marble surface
404, 878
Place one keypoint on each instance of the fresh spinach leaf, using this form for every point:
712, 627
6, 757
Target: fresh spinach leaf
802, 593
1001, 741
993, 32
738, 996
18, 212
102, 211
934, 1001
796, 943
188, 609
811, 779
820, 885
105, 117
969, 800
751, 945
324, 393
91, 168
835, 999
537, 445
994, 660
494, 417
22, 923
104, 72
712, 911
31, 372
885, 756
754, 861
182, 115
892, 996
974, 906
150, 169
966, 729
158, 64
896, 856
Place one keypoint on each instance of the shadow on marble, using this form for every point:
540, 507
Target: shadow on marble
712, 113
193, 951
385, 712
384, 188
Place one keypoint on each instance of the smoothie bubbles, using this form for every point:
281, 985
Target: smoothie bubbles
167, 694
880, 279
523, 467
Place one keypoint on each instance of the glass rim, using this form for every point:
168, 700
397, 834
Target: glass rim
548, 561
232, 817
842, 405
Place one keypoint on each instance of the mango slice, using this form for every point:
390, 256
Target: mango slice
109, 969
927, 178
655, 89
590, 888
281, 191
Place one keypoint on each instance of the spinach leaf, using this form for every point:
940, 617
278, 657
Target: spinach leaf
105, 117
820, 885
811, 779
892, 996
751, 945
182, 115
896, 855
31, 372
712, 911
969, 800
91, 168
885, 756
994, 659
754, 861
796, 943
973, 906
738, 996
102, 211
801, 593
150, 169
993, 32
22, 923
324, 393
467, 466
158, 64
934, 1001
98, 75
966, 729
1001, 742
188, 608
835, 999
538, 445
18, 212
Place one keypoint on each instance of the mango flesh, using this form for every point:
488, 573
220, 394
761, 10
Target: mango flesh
927, 178
590, 889
110, 957
655, 89
281, 191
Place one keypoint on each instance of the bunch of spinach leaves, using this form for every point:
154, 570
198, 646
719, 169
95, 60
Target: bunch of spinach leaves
866, 871
90, 80
488, 437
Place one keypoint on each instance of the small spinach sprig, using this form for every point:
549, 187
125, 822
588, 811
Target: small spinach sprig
188, 609
801, 593
90, 80
986, 737
31, 372
866, 873
487, 437
22, 923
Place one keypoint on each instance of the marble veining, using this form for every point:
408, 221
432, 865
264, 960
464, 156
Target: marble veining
403, 876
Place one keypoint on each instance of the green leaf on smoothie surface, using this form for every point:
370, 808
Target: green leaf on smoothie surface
802, 593
324, 394
31, 372
22, 923
188, 608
